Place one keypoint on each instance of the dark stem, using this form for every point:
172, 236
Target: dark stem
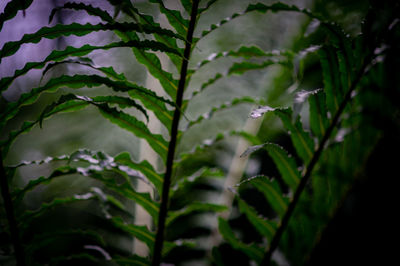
308, 170
172, 144
9, 208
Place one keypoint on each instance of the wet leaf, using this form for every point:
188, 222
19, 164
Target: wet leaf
262, 225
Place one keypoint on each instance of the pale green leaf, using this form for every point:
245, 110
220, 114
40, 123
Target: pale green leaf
286, 165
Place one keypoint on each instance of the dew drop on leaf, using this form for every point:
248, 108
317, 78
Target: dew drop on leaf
256, 113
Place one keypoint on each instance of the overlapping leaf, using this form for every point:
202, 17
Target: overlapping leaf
262, 8
138, 128
302, 141
11, 48
57, 56
272, 192
262, 225
76, 81
174, 17
194, 208
318, 114
286, 165
222, 107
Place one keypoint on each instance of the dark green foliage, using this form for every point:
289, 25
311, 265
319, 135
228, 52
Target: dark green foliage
286, 206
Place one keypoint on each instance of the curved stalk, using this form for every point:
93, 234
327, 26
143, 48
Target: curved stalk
9, 208
172, 144
306, 174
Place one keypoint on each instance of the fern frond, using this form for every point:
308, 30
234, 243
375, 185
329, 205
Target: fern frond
265, 227
59, 30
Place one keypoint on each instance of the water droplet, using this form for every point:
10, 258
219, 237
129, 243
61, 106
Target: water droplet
251, 150
302, 95
342, 134
256, 113
212, 56
312, 27
99, 193
84, 196
207, 142
133, 173
84, 98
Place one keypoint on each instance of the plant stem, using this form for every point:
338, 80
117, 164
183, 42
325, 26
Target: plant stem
172, 144
9, 208
308, 170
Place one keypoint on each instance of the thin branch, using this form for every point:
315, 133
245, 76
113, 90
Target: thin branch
172, 144
9, 208
308, 170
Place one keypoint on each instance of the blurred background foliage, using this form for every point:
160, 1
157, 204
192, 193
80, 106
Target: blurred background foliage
356, 214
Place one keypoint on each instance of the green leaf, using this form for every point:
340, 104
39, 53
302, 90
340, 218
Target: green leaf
59, 30
19, 193
144, 167
93, 11
98, 163
174, 17
251, 149
39, 162
278, 6
153, 103
124, 189
122, 102
286, 165
157, 107
331, 79
138, 128
194, 208
141, 233
318, 114
183, 185
202, 146
124, 6
12, 9
242, 67
202, 88
170, 42
76, 81
262, 8
252, 251
153, 64
57, 56
272, 192
345, 72
29, 216
261, 224
302, 141
244, 52
187, 5
207, 6
69, 106
222, 107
